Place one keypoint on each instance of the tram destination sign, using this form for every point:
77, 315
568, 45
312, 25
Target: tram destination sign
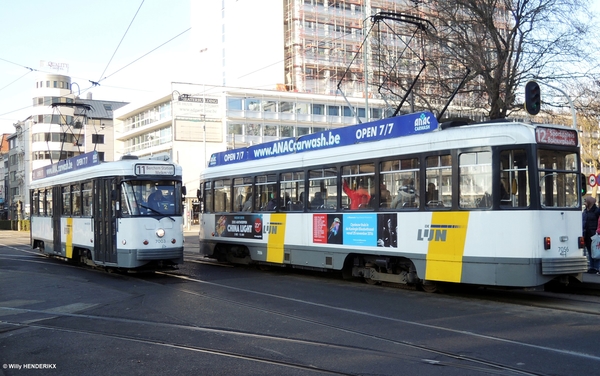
553, 136
154, 169
399, 126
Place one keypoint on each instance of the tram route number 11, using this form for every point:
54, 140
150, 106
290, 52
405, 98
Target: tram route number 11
148, 169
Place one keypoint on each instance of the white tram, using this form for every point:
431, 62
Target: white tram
404, 200
125, 214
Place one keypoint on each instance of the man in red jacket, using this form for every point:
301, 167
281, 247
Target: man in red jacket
359, 198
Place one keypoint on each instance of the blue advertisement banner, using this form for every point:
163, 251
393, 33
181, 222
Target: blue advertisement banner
399, 126
67, 165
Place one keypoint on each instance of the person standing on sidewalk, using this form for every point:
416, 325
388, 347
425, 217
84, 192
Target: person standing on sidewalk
591, 213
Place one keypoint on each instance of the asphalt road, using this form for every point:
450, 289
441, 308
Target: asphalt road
207, 319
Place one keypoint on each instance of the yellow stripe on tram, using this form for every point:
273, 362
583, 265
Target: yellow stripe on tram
69, 233
448, 233
276, 232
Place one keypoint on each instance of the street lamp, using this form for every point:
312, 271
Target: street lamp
204, 138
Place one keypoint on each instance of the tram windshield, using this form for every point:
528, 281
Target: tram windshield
151, 197
558, 178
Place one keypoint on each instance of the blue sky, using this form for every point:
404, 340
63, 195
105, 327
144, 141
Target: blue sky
85, 35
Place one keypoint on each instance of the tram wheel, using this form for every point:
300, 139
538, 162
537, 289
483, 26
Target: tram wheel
370, 281
430, 287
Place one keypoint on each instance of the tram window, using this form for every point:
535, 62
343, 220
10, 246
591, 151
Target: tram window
291, 187
41, 201
475, 176
242, 190
222, 195
49, 211
66, 200
208, 197
76, 196
358, 182
400, 178
558, 178
322, 189
125, 202
266, 196
35, 198
86, 198
438, 179
514, 178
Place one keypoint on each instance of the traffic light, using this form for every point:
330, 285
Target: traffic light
583, 182
533, 98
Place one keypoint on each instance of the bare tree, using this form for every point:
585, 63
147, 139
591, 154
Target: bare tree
587, 102
504, 43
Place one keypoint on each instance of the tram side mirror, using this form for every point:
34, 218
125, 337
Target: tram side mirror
583, 184
198, 196
114, 195
184, 190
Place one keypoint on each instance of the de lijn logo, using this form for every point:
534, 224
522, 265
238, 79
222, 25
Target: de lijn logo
434, 233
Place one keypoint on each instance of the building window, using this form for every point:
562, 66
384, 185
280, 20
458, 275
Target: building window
333, 110
234, 103
287, 131
97, 139
234, 129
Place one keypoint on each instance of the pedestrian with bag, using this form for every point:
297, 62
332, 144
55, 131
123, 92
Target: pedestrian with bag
595, 250
591, 215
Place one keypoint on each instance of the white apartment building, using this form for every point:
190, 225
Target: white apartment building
61, 126
194, 121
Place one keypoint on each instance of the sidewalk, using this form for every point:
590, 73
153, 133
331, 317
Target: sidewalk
192, 229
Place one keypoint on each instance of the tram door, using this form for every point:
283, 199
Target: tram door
105, 249
56, 212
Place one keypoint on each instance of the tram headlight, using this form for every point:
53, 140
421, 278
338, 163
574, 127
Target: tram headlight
160, 232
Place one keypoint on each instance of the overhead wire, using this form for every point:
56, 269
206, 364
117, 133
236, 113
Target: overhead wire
121, 41
146, 54
95, 83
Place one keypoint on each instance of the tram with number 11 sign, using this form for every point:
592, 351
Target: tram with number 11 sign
125, 214
404, 200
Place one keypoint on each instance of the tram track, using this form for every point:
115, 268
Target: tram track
453, 360
448, 359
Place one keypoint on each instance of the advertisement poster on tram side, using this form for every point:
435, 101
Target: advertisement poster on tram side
327, 229
360, 229
363, 229
238, 226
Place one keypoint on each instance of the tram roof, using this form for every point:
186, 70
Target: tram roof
465, 136
123, 167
